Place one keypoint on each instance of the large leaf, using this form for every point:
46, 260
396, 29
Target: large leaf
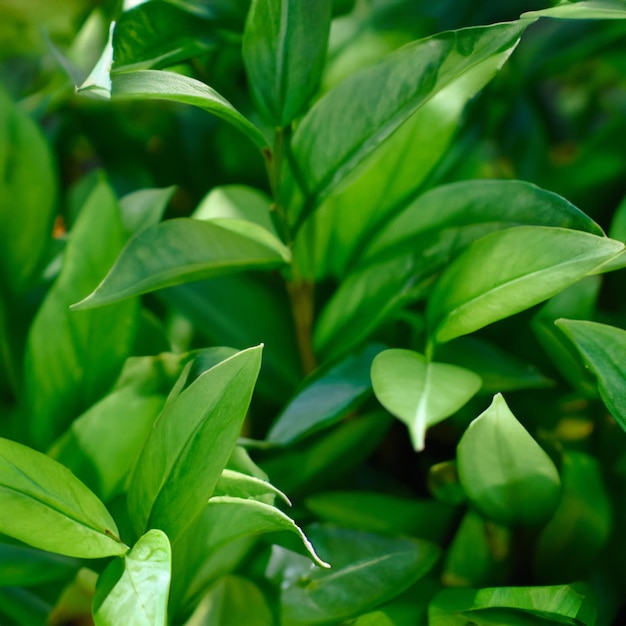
44, 505
284, 48
134, 589
72, 359
591, 9
190, 444
160, 85
511, 270
27, 197
604, 350
419, 392
353, 120
503, 470
181, 250
367, 569
514, 606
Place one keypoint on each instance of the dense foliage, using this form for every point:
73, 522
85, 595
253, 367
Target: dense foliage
312, 312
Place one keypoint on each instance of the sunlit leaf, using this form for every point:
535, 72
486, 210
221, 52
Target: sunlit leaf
586, 10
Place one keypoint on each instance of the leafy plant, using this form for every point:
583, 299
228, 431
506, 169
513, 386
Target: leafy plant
346, 243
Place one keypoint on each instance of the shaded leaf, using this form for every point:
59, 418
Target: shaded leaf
181, 250
144, 208
134, 589
508, 271
503, 470
21, 566
47, 507
419, 392
591, 9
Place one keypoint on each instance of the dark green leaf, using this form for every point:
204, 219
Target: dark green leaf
21, 566
182, 250
419, 392
72, 359
27, 181
604, 350
509, 271
47, 507
134, 589
284, 48
22, 606
504, 472
144, 208
190, 444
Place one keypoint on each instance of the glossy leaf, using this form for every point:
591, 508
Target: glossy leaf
603, 349
161, 85
503, 470
419, 392
284, 48
134, 589
190, 444
352, 121
237, 485
586, 10
28, 181
144, 208
561, 604
509, 271
47, 507
367, 570
21, 566
182, 250
73, 358
328, 397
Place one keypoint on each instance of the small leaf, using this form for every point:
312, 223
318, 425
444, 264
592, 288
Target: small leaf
592, 9
508, 271
284, 48
47, 507
238, 485
134, 590
419, 392
161, 85
503, 470
144, 208
181, 250
190, 444
604, 350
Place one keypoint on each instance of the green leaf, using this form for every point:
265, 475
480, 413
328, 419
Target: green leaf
232, 600
190, 444
22, 606
367, 570
284, 48
27, 181
158, 34
591, 10
508, 271
572, 541
419, 392
603, 349
161, 85
352, 120
326, 398
503, 470
514, 606
72, 359
144, 208
47, 507
237, 485
21, 566
134, 589
181, 250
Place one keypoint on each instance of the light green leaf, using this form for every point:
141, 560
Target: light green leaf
134, 590
503, 470
508, 271
591, 10
44, 505
352, 120
237, 485
161, 85
181, 250
21, 566
367, 570
419, 392
190, 444
515, 606
603, 349
27, 197
284, 49
326, 398
72, 359
144, 208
